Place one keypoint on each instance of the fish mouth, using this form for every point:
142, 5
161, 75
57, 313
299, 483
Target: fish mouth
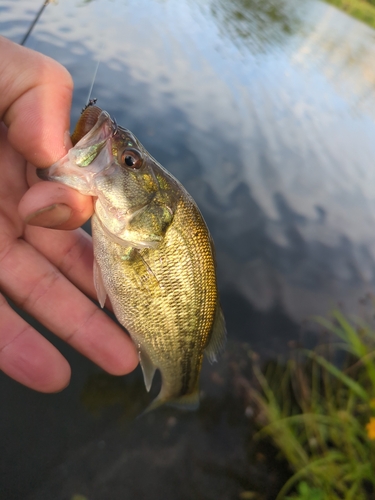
88, 158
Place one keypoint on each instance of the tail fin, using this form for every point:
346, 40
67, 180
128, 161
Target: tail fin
189, 402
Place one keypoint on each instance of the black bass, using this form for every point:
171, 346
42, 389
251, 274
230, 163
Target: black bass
154, 256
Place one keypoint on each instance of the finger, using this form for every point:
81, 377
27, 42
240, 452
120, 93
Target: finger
38, 287
28, 357
50, 204
35, 103
13, 182
70, 251
31, 172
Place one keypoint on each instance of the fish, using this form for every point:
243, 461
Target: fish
153, 254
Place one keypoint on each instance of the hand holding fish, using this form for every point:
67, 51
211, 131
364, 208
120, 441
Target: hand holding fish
45, 272
153, 254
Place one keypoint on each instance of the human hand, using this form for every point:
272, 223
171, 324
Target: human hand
46, 272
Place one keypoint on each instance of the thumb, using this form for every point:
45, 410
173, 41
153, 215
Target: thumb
36, 94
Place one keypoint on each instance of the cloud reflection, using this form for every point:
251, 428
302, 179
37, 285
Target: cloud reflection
263, 109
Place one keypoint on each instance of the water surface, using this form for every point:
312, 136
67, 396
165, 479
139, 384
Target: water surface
265, 111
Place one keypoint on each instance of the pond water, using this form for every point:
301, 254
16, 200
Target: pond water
265, 111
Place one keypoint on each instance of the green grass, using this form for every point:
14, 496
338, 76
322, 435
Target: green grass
320, 414
364, 10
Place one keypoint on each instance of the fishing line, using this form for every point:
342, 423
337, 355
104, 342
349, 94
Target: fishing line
93, 81
27, 34
39, 13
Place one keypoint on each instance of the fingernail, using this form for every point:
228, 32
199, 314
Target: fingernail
52, 216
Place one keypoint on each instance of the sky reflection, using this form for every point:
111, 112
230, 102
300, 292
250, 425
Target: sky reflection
264, 110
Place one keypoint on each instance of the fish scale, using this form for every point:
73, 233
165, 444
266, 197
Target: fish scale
160, 321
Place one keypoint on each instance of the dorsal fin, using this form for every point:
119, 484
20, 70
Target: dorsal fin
218, 338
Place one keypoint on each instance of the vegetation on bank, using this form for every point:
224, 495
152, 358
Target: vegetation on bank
318, 409
364, 10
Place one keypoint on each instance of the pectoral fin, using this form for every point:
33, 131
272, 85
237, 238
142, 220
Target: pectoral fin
99, 285
146, 227
218, 338
148, 368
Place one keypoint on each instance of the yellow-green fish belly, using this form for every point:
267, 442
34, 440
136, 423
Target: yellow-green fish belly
165, 297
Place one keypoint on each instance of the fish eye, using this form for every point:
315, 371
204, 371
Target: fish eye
131, 158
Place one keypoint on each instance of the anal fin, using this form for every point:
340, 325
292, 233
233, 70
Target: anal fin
148, 368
